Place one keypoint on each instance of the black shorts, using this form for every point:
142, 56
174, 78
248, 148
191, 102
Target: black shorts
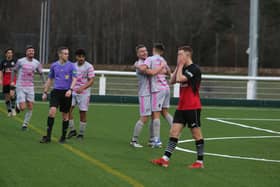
190, 117
59, 100
7, 89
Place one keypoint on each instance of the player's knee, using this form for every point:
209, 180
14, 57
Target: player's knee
52, 112
22, 107
174, 133
196, 133
144, 119
83, 119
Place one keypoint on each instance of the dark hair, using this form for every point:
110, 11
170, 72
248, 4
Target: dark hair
61, 49
29, 47
186, 48
80, 52
159, 46
8, 49
139, 46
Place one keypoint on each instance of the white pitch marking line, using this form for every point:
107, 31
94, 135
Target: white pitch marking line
248, 119
230, 156
231, 138
244, 126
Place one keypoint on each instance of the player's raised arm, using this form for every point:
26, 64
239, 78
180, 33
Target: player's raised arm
173, 76
155, 71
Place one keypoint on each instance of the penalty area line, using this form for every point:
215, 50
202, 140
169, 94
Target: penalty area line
242, 125
230, 156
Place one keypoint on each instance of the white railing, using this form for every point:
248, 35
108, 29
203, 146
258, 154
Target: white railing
212, 85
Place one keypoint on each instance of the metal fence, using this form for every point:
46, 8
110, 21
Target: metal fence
212, 86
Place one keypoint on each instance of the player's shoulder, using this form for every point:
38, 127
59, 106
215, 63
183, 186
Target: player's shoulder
88, 64
140, 61
148, 60
22, 59
54, 63
35, 61
194, 67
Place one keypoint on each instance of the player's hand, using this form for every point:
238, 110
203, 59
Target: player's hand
79, 90
68, 93
180, 61
44, 96
12, 83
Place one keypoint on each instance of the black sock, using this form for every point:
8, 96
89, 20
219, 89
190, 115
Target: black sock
65, 125
200, 149
171, 146
8, 105
13, 102
50, 126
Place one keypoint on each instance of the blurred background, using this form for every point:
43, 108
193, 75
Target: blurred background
109, 30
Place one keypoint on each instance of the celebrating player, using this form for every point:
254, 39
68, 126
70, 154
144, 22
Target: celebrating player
6, 68
63, 72
144, 96
25, 69
189, 107
159, 88
81, 92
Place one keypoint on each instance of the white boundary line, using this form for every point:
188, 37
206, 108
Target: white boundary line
231, 138
230, 156
242, 125
248, 119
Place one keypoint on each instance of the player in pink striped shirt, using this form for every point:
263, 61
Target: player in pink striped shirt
26, 68
81, 93
159, 88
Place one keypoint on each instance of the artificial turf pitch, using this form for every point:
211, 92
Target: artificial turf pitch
104, 157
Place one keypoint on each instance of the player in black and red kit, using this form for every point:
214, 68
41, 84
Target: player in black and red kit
6, 67
188, 109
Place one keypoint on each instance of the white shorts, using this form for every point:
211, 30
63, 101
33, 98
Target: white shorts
145, 107
160, 100
82, 101
25, 94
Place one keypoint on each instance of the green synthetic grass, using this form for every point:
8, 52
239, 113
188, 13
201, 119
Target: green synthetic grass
104, 157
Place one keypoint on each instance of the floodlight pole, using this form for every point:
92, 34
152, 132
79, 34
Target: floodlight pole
253, 49
44, 31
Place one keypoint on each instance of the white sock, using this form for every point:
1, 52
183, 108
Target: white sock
169, 119
27, 116
151, 127
71, 125
156, 126
82, 127
165, 158
137, 130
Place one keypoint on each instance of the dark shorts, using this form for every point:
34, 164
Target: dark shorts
59, 100
190, 117
7, 88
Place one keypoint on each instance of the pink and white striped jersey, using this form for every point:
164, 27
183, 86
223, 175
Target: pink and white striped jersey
25, 70
143, 81
84, 72
158, 82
